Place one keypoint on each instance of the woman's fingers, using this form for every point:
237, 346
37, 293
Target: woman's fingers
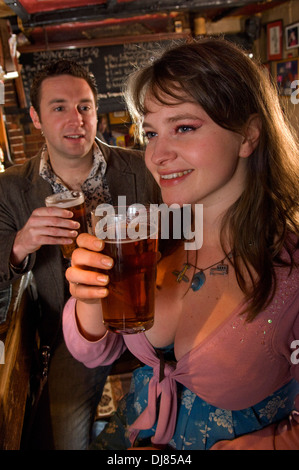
89, 253
88, 294
91, 242
86, 259
84, 276
87, 276
87, 285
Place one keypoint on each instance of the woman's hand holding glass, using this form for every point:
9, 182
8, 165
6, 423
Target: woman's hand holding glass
88, 285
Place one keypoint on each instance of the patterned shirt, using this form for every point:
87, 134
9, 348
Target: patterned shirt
95, 187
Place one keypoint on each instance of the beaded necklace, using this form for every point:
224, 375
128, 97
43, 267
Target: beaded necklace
199, 278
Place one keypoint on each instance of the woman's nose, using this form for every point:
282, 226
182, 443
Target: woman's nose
162, 151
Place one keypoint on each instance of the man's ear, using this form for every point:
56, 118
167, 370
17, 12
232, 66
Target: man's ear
251, 134
35, 118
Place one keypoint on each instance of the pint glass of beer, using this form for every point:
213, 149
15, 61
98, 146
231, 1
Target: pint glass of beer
131, 239
73, 201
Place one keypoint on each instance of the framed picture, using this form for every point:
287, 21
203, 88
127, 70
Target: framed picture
292, 35
274, 40
286, 73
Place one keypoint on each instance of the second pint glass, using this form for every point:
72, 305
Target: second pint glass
73, 201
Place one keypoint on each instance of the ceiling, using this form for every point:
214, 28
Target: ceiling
44, 22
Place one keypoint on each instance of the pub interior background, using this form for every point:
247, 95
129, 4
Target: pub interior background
109, 37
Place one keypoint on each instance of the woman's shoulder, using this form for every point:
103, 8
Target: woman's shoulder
287, 275
290, 250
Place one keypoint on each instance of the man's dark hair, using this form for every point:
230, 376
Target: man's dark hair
54, 69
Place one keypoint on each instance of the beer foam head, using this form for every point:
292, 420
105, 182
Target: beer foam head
65, 199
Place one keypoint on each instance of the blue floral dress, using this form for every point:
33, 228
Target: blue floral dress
199, 425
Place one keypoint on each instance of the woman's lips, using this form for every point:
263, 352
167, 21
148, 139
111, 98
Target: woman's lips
168, 179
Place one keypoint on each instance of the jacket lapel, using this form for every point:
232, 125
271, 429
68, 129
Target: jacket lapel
37, 189
119, 176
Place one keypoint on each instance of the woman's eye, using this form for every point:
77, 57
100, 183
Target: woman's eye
149, 135
183, 129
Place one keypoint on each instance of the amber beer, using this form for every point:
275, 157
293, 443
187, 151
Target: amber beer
130, 305
73, 201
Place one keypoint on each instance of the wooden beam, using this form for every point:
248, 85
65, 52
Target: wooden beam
102, 42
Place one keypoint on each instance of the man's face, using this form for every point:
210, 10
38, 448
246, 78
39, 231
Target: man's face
68, 116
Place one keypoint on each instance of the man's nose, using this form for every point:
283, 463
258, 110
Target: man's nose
75, 115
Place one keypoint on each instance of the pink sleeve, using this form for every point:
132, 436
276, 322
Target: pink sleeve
91, 353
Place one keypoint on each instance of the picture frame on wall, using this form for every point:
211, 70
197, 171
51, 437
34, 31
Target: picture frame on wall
292, 35
286, 73
274, 40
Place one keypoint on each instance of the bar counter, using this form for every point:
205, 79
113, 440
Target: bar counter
17, 335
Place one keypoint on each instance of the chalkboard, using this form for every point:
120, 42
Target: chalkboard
109, 64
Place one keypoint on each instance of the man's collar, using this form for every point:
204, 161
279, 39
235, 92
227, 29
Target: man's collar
46, 171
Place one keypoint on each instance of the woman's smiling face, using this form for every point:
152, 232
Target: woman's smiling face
192, 158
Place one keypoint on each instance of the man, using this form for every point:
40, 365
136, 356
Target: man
64, 108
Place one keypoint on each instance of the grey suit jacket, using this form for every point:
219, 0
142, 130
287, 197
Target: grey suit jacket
22, 190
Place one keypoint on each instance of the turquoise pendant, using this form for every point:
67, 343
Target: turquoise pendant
198, 281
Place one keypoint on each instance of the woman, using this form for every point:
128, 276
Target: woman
225, 343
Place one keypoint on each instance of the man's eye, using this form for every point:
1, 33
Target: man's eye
58, 108
84, 108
